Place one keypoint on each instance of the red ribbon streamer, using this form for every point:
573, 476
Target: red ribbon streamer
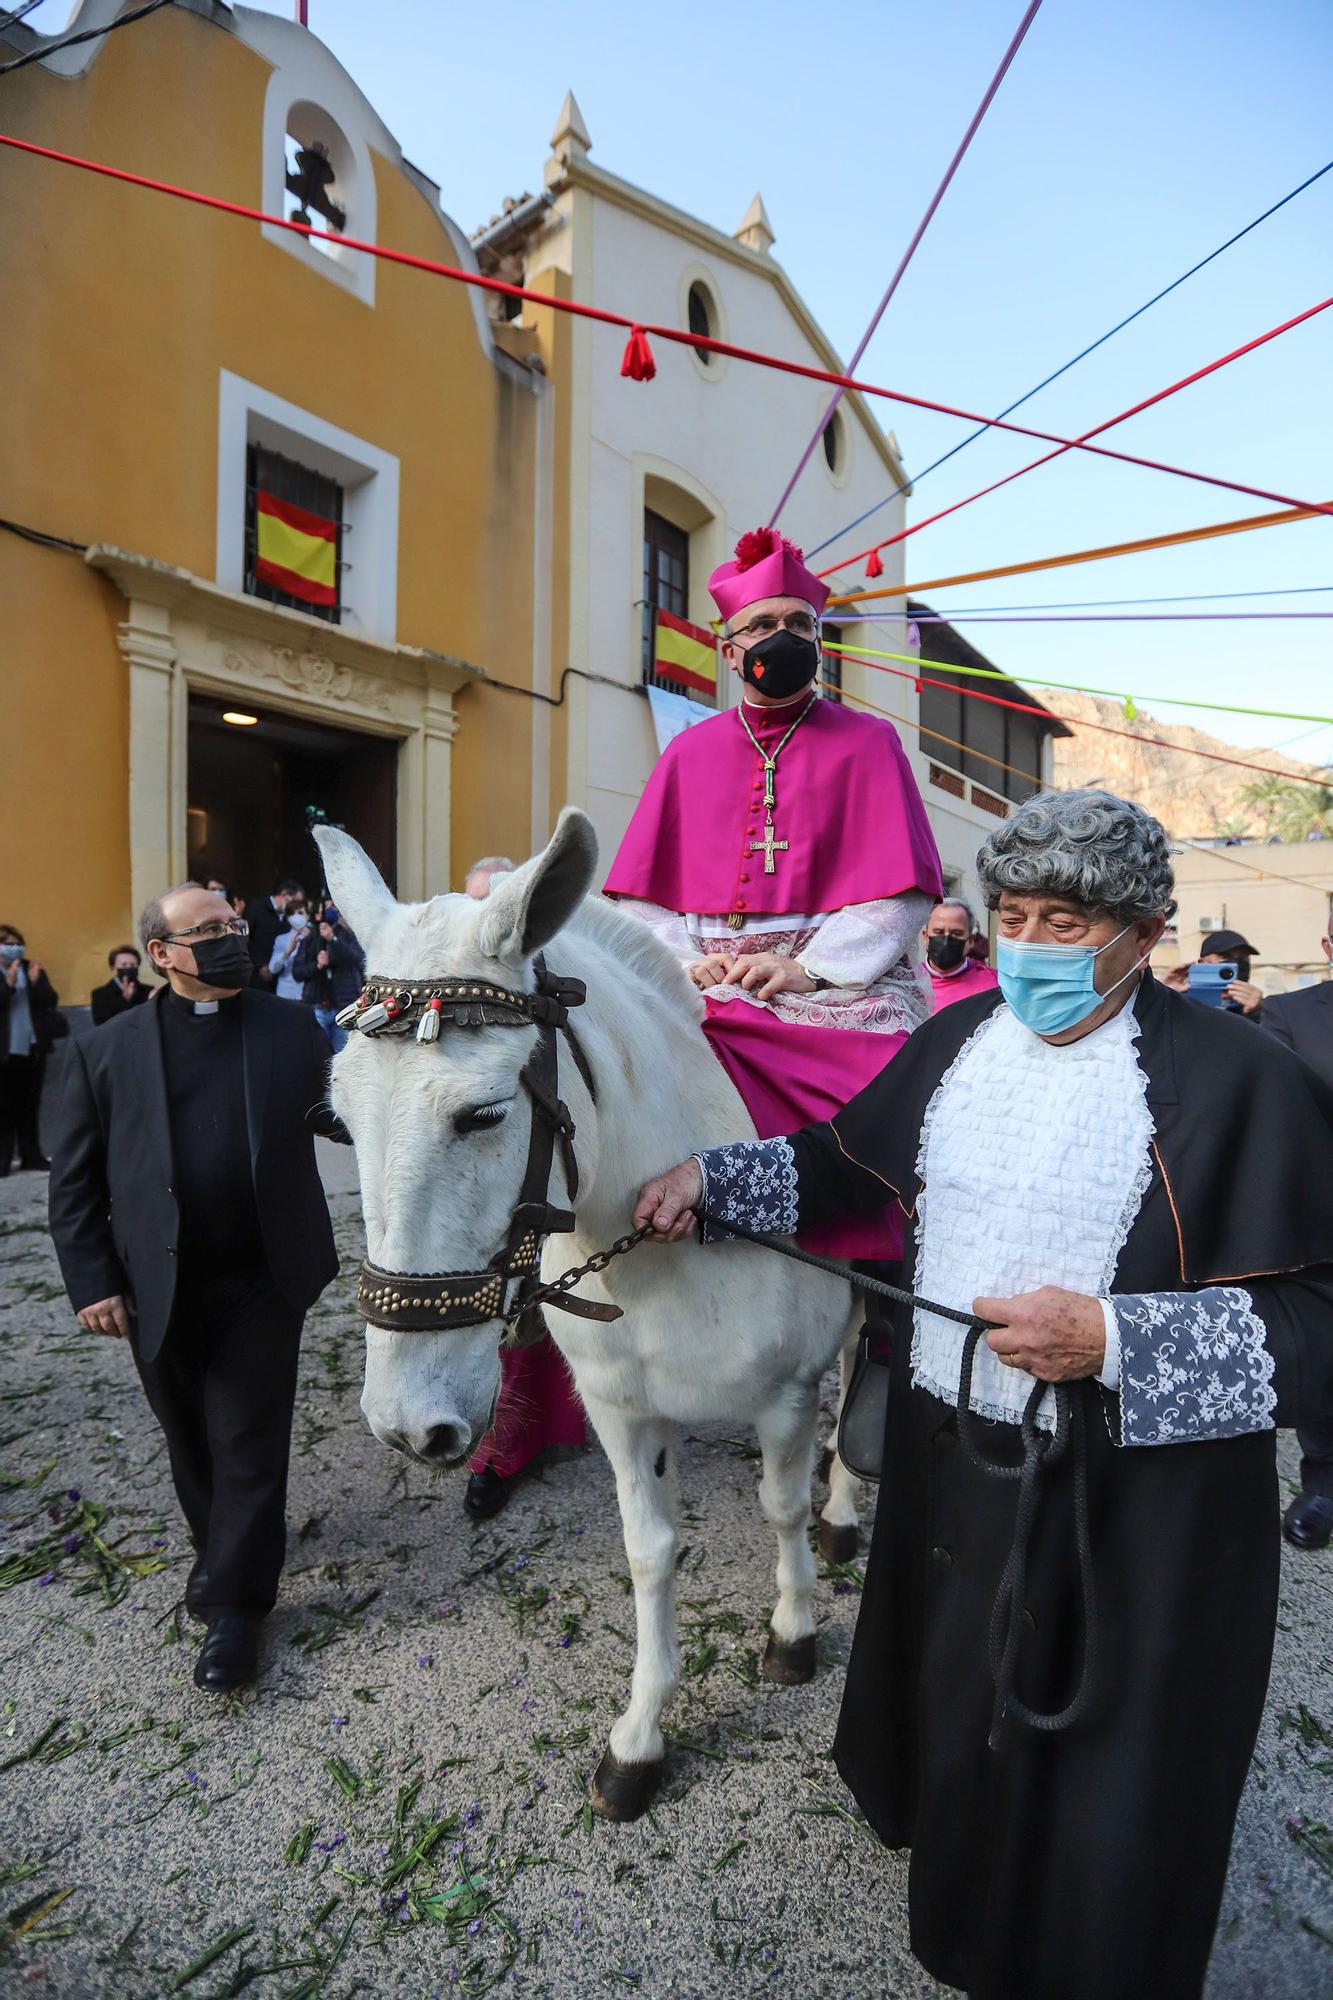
704, 343
638, 361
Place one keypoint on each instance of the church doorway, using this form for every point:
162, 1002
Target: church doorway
260, 779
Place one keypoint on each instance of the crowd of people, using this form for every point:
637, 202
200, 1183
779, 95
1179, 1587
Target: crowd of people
1110, 1162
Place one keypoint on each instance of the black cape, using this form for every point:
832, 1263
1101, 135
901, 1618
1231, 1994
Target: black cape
1088, 1865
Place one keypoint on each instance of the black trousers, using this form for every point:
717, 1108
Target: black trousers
20, 1097
1316, 1446
223, 1387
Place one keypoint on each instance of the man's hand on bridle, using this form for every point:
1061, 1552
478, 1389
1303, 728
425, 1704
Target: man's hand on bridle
667, 1203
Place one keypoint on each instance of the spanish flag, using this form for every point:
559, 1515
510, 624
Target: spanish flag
686, 654
296, 550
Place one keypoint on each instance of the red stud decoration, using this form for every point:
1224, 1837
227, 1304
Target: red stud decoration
638, 362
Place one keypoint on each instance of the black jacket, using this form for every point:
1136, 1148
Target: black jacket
43, 1001
1304, 1021
265, 922
114, 1216
338, 983
108, 1002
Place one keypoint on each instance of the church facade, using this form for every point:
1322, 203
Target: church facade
276, 502
293, 533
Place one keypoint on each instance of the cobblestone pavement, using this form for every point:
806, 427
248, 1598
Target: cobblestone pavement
400, 1807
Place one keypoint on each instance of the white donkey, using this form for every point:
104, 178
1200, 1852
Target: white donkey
726, 1332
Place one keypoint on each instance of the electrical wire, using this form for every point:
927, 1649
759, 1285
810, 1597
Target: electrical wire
1082, 355
908, 254
678, 336
73, 41
11, 20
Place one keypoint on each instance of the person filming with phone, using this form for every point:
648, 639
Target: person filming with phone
1220, 976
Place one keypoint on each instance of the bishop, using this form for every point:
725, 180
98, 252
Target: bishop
782, 850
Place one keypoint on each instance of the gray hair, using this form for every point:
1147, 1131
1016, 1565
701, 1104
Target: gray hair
1103, 852
957, 903
153, 917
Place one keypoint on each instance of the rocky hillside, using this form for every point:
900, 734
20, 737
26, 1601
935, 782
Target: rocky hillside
1194, 799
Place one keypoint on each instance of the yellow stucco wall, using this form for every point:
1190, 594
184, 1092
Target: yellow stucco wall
121, 309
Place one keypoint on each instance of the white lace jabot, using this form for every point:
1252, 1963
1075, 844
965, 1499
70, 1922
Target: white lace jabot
1035, 1162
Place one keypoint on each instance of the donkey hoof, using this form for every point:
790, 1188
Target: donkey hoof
789, 1662
838, 1542
623, 1791
824, 1464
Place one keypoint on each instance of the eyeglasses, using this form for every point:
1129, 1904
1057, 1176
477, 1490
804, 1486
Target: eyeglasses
214, 928
801, 623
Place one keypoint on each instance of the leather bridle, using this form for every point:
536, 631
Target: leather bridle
449, 1301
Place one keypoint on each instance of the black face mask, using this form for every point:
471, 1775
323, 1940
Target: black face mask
222, 961
945, 951
782, 665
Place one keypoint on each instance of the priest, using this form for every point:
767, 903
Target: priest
1065, 1634
782, 850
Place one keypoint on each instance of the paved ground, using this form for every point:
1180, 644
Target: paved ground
401, 1807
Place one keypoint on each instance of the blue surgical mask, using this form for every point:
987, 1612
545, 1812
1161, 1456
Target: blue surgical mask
1052, 987
9, 953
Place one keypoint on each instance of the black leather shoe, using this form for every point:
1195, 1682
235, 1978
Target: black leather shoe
1308, 1522
38, 1164
229, 1655
487, 1492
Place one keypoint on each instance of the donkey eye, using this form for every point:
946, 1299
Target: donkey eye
480, 1118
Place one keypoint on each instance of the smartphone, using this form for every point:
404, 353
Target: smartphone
1208, 983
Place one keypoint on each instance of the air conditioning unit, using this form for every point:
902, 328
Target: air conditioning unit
1206, 924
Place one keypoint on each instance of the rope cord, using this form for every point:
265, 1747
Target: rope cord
678, 336
1082, 355
867, 654
908, 254
1110, 423
1144, 543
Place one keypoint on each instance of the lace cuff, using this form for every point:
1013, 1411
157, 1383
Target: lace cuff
753, 1183
857, 945
1193, 1366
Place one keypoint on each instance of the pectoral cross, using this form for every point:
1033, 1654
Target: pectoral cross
768, 847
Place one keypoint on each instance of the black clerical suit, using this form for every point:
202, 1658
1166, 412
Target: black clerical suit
1088, 1864
1304, 1022
184, 1177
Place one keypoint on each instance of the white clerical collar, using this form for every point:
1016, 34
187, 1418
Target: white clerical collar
206, 1006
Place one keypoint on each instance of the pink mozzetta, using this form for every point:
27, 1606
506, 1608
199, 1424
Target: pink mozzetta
847, 807
766, 564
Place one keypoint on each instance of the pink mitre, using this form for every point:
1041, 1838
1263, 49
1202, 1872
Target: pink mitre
766, 565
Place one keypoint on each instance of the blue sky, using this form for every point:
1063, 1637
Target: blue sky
1126, 142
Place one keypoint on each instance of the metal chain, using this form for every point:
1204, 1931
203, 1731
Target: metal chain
568, 1279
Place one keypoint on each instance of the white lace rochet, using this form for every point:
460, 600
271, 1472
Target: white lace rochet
1035, 1162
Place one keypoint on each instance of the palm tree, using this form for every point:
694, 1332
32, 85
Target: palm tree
1292, 810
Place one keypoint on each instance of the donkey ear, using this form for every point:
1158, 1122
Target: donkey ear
525, 910
355, 883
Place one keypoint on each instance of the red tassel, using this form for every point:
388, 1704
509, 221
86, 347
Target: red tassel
874, 567
638, 361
